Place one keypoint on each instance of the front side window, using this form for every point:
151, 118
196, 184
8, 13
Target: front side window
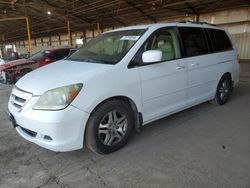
194, 41
164, 40
220, 40
108, 48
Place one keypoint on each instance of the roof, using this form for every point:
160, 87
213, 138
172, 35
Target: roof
85, 14
159, 25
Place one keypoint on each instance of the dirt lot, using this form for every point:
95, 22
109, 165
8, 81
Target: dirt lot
205, 146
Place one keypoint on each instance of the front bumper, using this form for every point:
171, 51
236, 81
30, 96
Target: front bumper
55, 130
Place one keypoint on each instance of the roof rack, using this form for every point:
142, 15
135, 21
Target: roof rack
195, 22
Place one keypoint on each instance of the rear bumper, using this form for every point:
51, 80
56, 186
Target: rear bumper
55, 130
236, 75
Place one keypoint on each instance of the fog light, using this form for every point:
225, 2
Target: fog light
46, 137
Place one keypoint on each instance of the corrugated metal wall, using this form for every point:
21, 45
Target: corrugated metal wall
242, 42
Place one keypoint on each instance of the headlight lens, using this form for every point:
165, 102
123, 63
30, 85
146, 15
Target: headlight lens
58, 99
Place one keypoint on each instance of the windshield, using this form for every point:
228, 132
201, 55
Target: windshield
108, 48
39, 55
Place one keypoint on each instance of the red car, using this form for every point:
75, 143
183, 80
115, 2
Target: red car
14, 70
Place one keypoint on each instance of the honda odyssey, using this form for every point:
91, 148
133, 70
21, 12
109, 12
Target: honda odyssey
122, 80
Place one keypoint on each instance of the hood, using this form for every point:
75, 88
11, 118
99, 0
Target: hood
14, 63
58, 74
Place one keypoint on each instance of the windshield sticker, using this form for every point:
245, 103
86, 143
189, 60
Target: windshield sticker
130, 38
47, 52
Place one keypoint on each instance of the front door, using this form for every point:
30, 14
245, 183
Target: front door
163, 83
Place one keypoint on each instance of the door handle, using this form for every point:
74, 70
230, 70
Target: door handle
194, 64
179, 67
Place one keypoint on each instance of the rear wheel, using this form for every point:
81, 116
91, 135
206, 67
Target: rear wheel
109, 127
223, 91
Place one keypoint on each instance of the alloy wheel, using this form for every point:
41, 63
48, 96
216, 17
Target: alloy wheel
112, 128
224, 90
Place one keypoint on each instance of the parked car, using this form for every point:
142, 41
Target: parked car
73, 50
1, 62
10, 56
122, 80
14, 70
24, 56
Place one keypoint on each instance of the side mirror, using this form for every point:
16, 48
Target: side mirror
152, 56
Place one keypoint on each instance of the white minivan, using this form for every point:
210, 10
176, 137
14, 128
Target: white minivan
122, 80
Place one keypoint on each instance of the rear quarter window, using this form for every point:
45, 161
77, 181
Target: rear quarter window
220, 40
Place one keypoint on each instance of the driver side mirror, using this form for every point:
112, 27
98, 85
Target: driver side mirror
152, 56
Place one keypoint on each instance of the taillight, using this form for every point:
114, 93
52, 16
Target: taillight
238, 58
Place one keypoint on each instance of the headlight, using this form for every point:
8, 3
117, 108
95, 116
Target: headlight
58, 99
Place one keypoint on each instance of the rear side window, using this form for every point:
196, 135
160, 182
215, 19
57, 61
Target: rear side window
194, 41
220, 40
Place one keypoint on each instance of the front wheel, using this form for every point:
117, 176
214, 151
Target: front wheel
223, 91
109, 127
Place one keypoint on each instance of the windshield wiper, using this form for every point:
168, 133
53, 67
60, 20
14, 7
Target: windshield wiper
86, 60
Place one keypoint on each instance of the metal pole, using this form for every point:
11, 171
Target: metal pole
69, 34
2, 47
29, 39
197, 17
98, 28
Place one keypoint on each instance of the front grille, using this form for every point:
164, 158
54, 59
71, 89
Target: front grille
19, 98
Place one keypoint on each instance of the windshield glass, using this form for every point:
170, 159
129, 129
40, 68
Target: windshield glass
108, 48
39, 55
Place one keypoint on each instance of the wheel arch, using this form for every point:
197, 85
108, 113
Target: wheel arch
229, 74
134, 107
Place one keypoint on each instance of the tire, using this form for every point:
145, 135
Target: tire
223, 91
21, 74
109, 127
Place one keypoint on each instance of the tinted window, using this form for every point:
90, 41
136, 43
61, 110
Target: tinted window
194, 41
59, 54
65, 53
220, 40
